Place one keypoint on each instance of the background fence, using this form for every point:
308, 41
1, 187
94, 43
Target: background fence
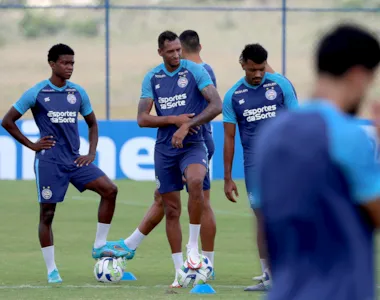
115, 40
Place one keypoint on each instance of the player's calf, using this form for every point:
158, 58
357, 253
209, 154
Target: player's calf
47, 211
195, 174
172, 204
154, 215
107, 191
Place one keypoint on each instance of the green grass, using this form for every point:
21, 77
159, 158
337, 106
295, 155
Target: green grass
23, 273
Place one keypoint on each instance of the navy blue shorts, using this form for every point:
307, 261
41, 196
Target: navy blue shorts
169, 168
209, 142
249, 176
53, 179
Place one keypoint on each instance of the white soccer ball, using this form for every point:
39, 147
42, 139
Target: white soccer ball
109, 269
187, 276
207, 267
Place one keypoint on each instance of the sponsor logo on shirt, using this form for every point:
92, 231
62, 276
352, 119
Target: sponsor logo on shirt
261, 113
60, 117
241, 91
269, 84
160, 75
172, 102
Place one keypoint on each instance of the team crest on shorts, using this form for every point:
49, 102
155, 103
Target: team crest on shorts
271, 94
158, 183
46, 193
182, 82
250, 196
71, 98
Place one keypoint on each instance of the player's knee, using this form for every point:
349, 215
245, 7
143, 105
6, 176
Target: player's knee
47, 217
172, 214
195, 182
111, 192
157, 198
207, 207
172, 211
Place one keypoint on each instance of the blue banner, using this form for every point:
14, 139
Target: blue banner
124, 150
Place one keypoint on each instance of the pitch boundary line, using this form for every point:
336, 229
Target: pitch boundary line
105, 286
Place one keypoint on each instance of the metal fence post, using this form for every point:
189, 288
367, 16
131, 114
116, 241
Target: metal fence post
107, 44
284, 12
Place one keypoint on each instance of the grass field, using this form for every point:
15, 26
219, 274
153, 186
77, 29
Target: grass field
23, 273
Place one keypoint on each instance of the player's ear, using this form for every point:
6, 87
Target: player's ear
159, 51
51, 64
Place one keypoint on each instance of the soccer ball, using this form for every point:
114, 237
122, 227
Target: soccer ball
187, 276
109, 269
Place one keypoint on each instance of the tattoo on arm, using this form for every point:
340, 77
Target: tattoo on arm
145, 106
213, 109
211, 94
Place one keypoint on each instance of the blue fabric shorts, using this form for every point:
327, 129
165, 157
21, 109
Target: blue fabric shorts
53, 179
170, 168
249, 176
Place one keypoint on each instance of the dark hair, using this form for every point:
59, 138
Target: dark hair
347, 46
190, 40
166, 36
254, 52
57, 50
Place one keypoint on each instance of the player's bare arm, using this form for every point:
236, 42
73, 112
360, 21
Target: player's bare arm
228, 155
145, 119
372, 211
93, 136
213, 109
9, 124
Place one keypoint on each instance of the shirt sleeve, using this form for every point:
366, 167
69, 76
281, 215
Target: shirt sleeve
229, 115
212, 75
146, 88
201, 75
290, 97
26, 101
85, 106
356, 154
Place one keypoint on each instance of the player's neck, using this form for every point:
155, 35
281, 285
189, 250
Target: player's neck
194, 57
57, 81
331, 90
170, 68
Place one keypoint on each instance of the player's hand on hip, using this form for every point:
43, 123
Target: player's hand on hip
84, 160
43, 143
180, 135
230, 189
